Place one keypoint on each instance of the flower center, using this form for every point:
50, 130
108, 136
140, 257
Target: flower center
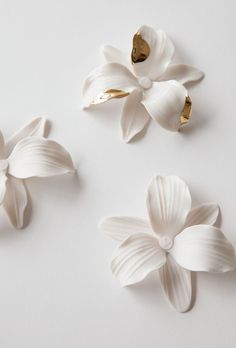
145, 82
3, 165
166, 242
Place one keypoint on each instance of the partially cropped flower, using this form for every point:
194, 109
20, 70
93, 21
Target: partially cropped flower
28, 154
175, 241
152, 86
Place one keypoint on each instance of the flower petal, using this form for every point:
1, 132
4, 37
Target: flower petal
165, 103
182, 73
136, 257
36, 127
2, 146
3, 182
168, 203
109, 81
205, 214
134, 116
39, 157
203, 248
15, 201
114, 55
121, 227
161, 53
176, 284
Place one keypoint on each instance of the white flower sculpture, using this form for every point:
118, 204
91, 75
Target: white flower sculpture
175, 241
28, 154
153, 87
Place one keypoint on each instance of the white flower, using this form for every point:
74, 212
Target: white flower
28, 154
175, 241
152, 85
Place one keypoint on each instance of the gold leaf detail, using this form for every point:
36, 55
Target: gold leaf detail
141, 49
187, 111
109, 94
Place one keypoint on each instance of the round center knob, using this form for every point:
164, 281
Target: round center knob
145, 82
3, 165
166, 242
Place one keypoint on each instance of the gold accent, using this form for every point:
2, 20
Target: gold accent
187, 111
109, 94
141, 49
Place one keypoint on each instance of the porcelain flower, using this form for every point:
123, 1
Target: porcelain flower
173, 242
153, 87
28, 154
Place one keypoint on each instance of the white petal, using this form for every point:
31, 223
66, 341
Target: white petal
182, 73
37, 127
111, 76
39, 157
161, 53
3, 182
2, 146
121, 227
135, 258
176, 284
15, 201
165, 102
205, 214
168, 203
203, 248
134, 116
114, 55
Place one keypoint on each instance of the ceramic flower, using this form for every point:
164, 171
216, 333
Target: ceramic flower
153, 87
28, 154
173, 242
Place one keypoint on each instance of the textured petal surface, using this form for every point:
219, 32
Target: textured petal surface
3, 182
15, 201
114, 55
106, 77
136, 257
182, 73
176, 284
39, 157
37, 127
161, 53
2, 146
203, 248
165, 102
121, 227
134, 116
168, 203
205, 214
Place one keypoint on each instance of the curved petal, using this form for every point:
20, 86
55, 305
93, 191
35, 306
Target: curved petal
160, 54
121, 227
136, 257
134, 116
36, 127
2, 146
168, 203
205, 214
165, 103
15, 201
3, 187
39, 157
176, 284
114, 55
203, 248
182, 73
109, 81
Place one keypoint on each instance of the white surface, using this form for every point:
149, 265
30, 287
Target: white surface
56, 287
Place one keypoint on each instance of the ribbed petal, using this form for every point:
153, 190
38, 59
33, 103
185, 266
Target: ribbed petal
168, 203
176, 284
15, 201
37, 127
182, 73
135, 258
101, 83
121, 227
205, 214
165, 102
204, 248
39, 157
3, 182
114, 55
134, 116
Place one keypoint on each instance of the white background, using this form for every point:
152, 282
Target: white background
56, 289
